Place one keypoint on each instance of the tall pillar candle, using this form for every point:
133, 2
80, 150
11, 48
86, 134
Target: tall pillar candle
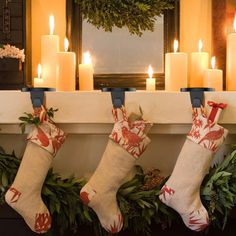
176, 69
66, 69
86, 73
231, 60
198, 64
213, 78
49, 49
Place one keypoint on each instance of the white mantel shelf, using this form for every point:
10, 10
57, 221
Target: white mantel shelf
90, 112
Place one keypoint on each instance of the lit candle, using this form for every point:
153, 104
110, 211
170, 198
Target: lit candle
38, 82
66, 69
176, 69
213, 78
198, 64
49, 49
231, 60
150, 82
86, 73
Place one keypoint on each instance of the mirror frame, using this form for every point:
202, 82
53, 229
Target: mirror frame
134, 80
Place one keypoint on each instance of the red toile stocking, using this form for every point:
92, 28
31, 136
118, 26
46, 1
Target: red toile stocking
127, 142
182, 190
24, 195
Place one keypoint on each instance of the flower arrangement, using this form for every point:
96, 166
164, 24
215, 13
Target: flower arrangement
8, 51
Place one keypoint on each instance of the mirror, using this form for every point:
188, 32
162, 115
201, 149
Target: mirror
121, 60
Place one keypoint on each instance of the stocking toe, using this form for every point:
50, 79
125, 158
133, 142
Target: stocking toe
196, 220
114, 225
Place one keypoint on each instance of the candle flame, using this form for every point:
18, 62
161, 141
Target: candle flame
87, 58
150, 71
51, 24
39, 70
176, 45
235, 23
200, 45
66, 45
213, 62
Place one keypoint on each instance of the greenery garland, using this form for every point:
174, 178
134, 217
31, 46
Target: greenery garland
136, 15
137, 198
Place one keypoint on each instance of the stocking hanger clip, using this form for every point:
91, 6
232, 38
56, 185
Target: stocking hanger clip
118, 95
197, 95
37, 95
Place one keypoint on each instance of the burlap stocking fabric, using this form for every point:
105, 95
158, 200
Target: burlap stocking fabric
24, 195
127, 142
182, 190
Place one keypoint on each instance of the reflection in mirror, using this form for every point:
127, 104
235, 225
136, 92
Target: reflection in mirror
121, 60
121, 52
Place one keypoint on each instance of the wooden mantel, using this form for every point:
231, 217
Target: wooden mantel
90, 112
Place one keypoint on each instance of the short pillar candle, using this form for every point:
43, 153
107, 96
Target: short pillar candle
150, 82
86, 73
213, 78
38, 81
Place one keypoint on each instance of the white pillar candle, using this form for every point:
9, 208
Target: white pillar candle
213, 78
150, 82
86, 73
66, 69
198, 64
231, 60
176, 69
49, 49
38, 82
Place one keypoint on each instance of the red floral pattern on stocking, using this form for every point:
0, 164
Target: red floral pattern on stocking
205, 131
48, 136
130, 135
42, 222
198, 220
16, 195
117, 225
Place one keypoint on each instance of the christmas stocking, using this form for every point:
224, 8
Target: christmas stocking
25, 193
182, 190
127, 142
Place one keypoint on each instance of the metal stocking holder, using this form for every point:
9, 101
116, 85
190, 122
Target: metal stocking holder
118, 95
197, 95
37, 95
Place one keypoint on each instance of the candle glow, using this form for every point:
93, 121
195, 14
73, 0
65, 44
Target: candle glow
150, 71
87, 58
213, 62
66, 45
235, 23
39, 71
176, 45
200, 45
51, 24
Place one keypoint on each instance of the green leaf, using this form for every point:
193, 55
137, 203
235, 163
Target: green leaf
4, 179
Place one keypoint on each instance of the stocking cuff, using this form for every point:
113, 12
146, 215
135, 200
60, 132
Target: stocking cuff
48, 136
210, 138
131, 137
